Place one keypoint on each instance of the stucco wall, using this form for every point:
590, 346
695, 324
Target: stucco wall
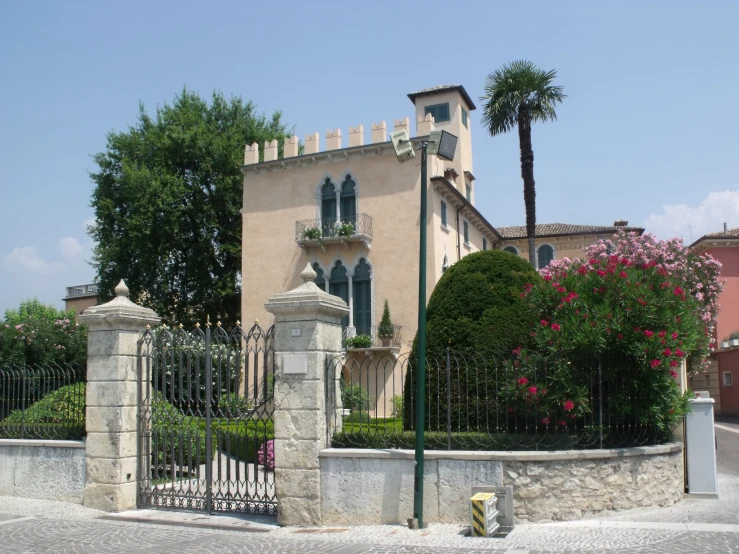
710, 380
275, 197
564, 246
49, 470
728, 317
80, 304
376, 486
728, 361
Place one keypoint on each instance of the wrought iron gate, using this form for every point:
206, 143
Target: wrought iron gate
205, 420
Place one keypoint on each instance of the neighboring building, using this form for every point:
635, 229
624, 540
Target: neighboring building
352, 212
555, 241
720, 378
81, 297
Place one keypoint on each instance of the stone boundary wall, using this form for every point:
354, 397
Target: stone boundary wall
48, 470
376, 486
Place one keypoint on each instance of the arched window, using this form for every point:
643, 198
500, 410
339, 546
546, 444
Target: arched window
320, 279
338, 285
362, 301
328, 207
545, 254
511, 249
348, 207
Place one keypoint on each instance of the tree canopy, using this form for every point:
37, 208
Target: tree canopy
167, 201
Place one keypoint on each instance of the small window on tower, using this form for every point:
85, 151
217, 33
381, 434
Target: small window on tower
464, 117
439, 111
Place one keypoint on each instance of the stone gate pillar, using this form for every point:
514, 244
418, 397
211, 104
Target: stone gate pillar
112, 400
307, 333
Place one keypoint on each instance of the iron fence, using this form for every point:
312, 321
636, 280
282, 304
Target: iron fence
42, 402
205, 422
359, 225
476, 403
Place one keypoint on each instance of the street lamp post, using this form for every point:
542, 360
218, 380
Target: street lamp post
421, 373
442, 144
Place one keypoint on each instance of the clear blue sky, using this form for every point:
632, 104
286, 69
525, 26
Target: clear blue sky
649, 131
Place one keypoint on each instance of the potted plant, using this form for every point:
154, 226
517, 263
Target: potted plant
734, 338
345, 228
312, 233
359, 341
386, 330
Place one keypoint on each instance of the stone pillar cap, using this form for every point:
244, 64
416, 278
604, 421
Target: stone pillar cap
306, 299
120, 307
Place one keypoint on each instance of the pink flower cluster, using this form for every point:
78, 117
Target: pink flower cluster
687, 274
266, 454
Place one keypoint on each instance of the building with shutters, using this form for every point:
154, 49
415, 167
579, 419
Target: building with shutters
351, 211
721, 378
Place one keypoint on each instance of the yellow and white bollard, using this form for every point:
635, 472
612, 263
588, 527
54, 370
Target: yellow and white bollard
483, 512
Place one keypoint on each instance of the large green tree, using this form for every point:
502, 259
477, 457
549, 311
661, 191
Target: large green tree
519, 94
167, 200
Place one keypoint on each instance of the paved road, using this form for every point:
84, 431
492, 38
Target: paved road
693, 526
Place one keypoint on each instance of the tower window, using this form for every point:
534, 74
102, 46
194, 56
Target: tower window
439, 111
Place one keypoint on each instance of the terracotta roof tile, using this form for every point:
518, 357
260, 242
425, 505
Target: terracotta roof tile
728, 233
443, 88
555, 229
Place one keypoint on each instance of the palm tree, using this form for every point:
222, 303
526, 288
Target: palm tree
520, 93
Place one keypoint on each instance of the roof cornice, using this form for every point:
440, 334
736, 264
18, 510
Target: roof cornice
328, 156
449, 191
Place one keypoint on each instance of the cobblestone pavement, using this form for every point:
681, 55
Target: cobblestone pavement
692, 526
38, 535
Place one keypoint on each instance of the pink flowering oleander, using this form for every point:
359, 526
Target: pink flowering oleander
698, 275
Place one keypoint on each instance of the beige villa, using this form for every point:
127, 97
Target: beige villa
350, 209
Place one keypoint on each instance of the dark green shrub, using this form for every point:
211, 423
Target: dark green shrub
234, 405
243, 439
476, 306
357, 417
354, 397
386, 330
59, 415
175, 437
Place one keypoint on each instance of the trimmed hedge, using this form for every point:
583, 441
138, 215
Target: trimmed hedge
476, 307
243, 440
59, 415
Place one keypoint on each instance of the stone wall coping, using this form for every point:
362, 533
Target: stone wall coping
520, 456
42, 443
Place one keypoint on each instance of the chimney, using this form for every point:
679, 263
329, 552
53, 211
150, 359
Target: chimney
724, 227
620, 223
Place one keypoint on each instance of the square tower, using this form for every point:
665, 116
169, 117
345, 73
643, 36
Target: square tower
450, 105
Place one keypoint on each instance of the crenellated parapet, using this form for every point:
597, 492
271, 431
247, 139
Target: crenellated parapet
311, 144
